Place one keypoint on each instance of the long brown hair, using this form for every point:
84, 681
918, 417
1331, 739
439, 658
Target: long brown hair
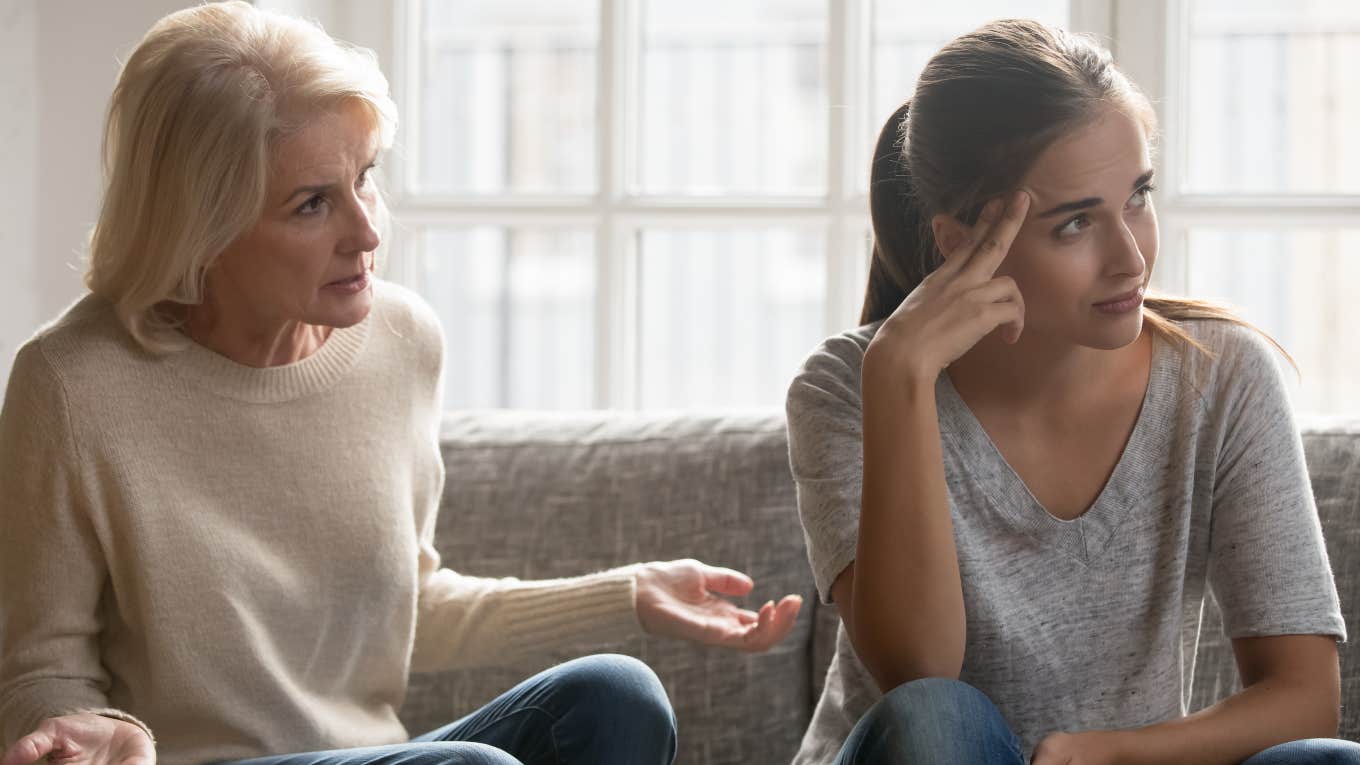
985, 107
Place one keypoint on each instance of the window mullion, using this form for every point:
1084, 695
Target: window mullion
404, 58
1094, 17
615, 287
1147, 47
848, 77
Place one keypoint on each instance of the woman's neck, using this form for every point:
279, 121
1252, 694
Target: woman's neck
253, 341
1040, 375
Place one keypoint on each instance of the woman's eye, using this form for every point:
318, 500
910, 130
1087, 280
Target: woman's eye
312, 205
1072, 227
1140, 198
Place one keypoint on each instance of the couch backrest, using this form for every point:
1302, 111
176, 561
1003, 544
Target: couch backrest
537, 495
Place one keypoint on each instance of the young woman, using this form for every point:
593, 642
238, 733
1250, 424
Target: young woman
1021, 476
219, 471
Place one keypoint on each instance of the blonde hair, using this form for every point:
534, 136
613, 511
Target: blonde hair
191, 125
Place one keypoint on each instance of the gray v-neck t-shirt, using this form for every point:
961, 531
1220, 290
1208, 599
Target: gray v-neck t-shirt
1090, 623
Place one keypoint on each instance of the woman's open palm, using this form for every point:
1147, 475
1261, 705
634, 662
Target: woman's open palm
685, 599
83, 739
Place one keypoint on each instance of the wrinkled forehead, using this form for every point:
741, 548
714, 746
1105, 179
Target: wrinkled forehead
341, 137
1109, 152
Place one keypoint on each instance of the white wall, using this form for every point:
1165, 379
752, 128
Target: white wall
19, 136
58, 63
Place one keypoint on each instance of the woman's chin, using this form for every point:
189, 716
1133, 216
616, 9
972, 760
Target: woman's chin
346, 311
1115, 336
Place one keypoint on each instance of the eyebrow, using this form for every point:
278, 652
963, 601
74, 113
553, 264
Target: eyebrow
1082, 204
309, 191
320, 187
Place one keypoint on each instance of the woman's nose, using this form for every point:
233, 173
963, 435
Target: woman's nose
1125, 256
363, 235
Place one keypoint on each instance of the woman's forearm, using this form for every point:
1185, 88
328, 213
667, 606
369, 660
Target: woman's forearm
1265, 714
907, 600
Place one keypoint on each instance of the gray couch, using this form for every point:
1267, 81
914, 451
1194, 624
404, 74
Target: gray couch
542, 495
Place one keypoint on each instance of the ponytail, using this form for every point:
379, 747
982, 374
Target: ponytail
904, 247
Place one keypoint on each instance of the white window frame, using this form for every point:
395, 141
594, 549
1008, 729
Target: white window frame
1152, 45
1148, 37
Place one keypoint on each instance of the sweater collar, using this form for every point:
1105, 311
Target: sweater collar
271, 385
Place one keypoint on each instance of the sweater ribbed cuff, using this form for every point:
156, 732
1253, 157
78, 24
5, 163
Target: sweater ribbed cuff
118, 714
587, 611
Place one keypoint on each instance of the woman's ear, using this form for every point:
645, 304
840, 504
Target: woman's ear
949, 233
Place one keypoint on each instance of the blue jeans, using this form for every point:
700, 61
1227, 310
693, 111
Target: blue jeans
946, 721
599, 710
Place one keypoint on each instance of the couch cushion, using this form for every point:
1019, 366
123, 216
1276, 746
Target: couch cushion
543, 495
540, 495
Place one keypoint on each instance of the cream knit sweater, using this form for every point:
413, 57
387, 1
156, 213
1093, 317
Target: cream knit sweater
242, 558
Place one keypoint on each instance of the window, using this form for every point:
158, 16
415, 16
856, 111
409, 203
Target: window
644, 204
1260, 185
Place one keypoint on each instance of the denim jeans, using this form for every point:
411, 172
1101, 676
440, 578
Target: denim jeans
599, 710
934, 720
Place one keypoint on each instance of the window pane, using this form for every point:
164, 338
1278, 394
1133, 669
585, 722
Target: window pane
733, 97
906, 35
727, 315
518, 309
507, 96
1273, 96
1297, 285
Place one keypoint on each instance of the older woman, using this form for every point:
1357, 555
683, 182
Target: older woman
219, 470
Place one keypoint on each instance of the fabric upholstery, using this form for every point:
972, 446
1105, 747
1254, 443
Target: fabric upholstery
539, 495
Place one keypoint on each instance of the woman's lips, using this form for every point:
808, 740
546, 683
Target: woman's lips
353, 284
1122, 303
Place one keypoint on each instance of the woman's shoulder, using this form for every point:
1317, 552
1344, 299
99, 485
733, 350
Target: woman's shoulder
1231, 350
403, 313
408, 327
840, 355
84, 340
1233, 363
832, 368
403, 307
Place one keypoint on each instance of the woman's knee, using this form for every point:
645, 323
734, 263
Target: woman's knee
1316, 751
933, 720
447, 753
618, 687
938, 704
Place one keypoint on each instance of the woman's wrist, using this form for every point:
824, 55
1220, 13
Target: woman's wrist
121, 716
885, 374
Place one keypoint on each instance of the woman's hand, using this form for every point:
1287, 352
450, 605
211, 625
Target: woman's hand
83, 739
682, 599
1098, 747
957, 304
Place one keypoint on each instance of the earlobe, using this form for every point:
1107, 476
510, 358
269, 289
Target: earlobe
949, 234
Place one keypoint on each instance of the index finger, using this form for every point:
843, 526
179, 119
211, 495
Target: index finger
725, 581
993, 246
29, 749
773, 628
